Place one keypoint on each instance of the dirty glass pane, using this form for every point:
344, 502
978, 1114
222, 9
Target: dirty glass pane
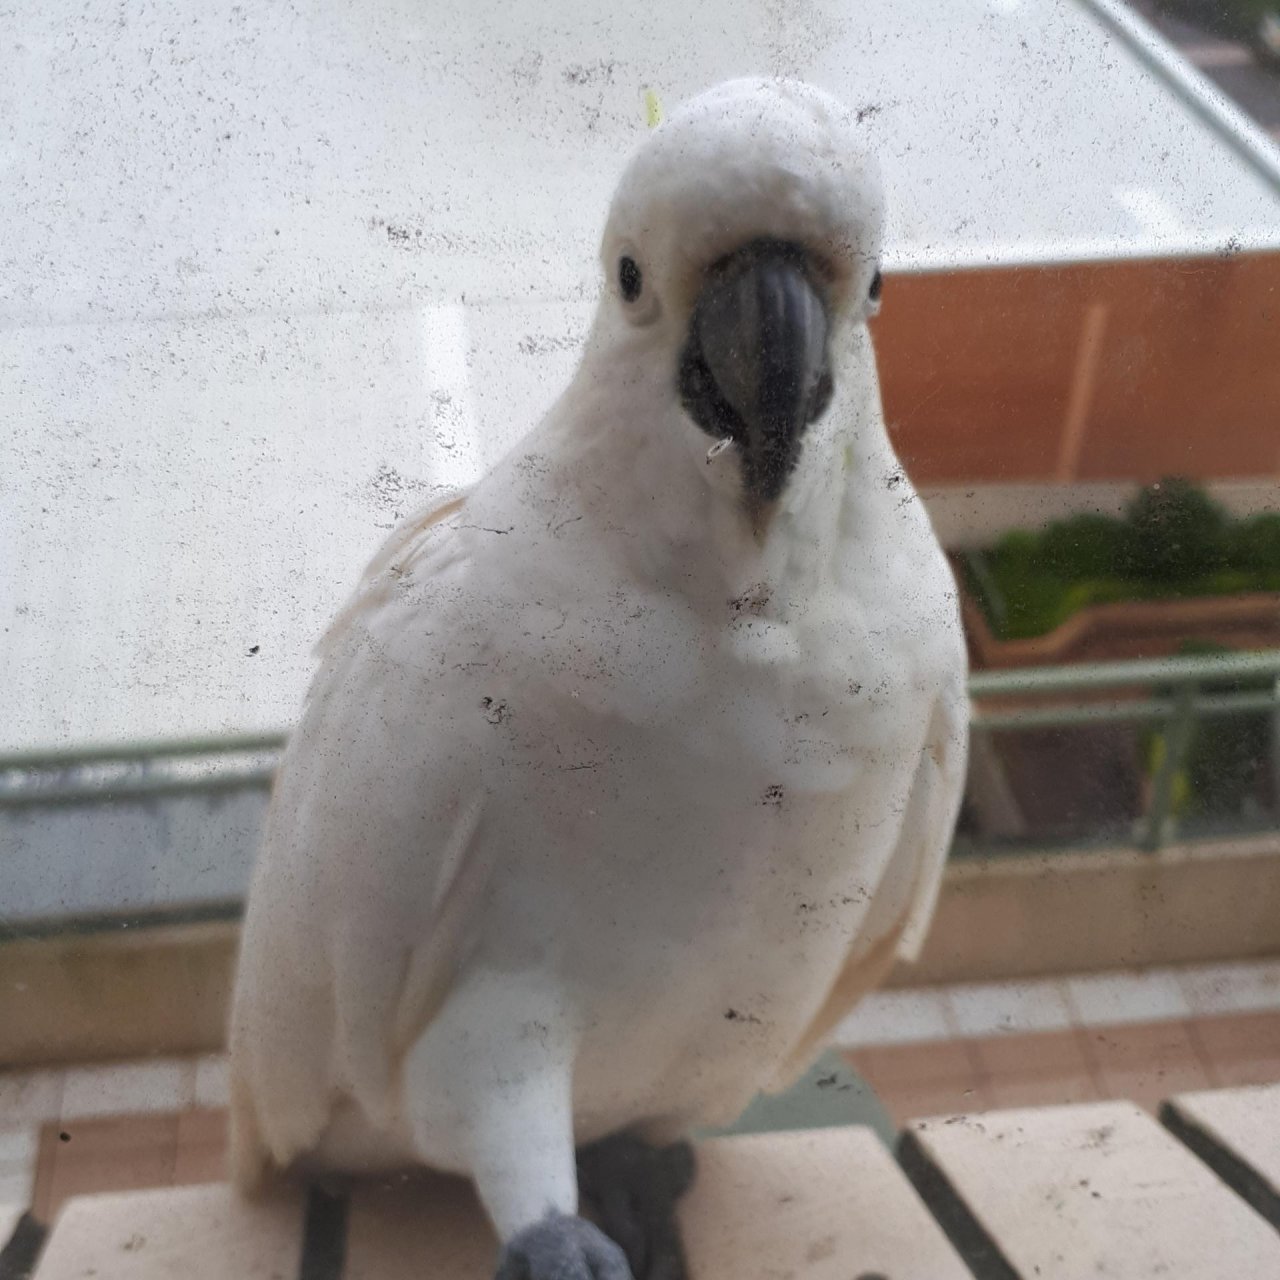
776, 508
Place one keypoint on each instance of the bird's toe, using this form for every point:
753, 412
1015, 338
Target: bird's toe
632, 1190
562, 1247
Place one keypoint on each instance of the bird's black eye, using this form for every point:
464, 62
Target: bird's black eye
629, 279
877, 284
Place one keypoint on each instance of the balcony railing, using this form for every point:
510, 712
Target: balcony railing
1169, 700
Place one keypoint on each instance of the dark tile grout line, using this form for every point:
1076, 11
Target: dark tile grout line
324, 1236
1245, 1181
969, 1237
977, 1067
985, 1081
1081, 1028
1203, 1056
21, 1252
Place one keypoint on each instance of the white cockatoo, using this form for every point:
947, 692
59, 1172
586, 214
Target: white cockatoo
628, 770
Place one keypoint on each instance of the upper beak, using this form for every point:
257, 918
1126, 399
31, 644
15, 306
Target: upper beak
755, 366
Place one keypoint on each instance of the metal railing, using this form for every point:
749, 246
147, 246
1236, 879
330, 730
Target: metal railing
138, 770
1174, 694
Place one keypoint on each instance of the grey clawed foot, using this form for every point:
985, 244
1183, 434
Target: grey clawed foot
631, 1189
562, 1247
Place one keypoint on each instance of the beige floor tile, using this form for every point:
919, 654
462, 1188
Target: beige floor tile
117, 1153
923, 1079
938, 1098
129, 1088
202, 1148
30, 1097
1110, 999
1147, 1063
826, 1204
187, 1233
908, 1064
212, 1085
981, 1009
1232, 988
16, 1183
1046, 1069
1044, 1053
1057, 1090
18, 1144
1242, 1049
897, 1017
10, 1215
1098, 1190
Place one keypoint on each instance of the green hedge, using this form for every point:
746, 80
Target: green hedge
1174, 541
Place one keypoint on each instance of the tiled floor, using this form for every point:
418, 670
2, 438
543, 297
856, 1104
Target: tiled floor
1244, 1049
1145, 1062
17, 1162
972, 1048
1058, 1004
935, 1078
119, 1125
146, 1086
1132, 1035
127, 1152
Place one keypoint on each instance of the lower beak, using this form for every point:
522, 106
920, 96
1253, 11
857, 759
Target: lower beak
756, 366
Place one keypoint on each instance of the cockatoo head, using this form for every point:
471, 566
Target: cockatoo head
742, 245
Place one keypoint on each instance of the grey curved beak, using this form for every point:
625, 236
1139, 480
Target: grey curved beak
756, 364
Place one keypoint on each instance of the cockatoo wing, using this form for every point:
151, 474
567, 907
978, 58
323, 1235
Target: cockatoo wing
366, 880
